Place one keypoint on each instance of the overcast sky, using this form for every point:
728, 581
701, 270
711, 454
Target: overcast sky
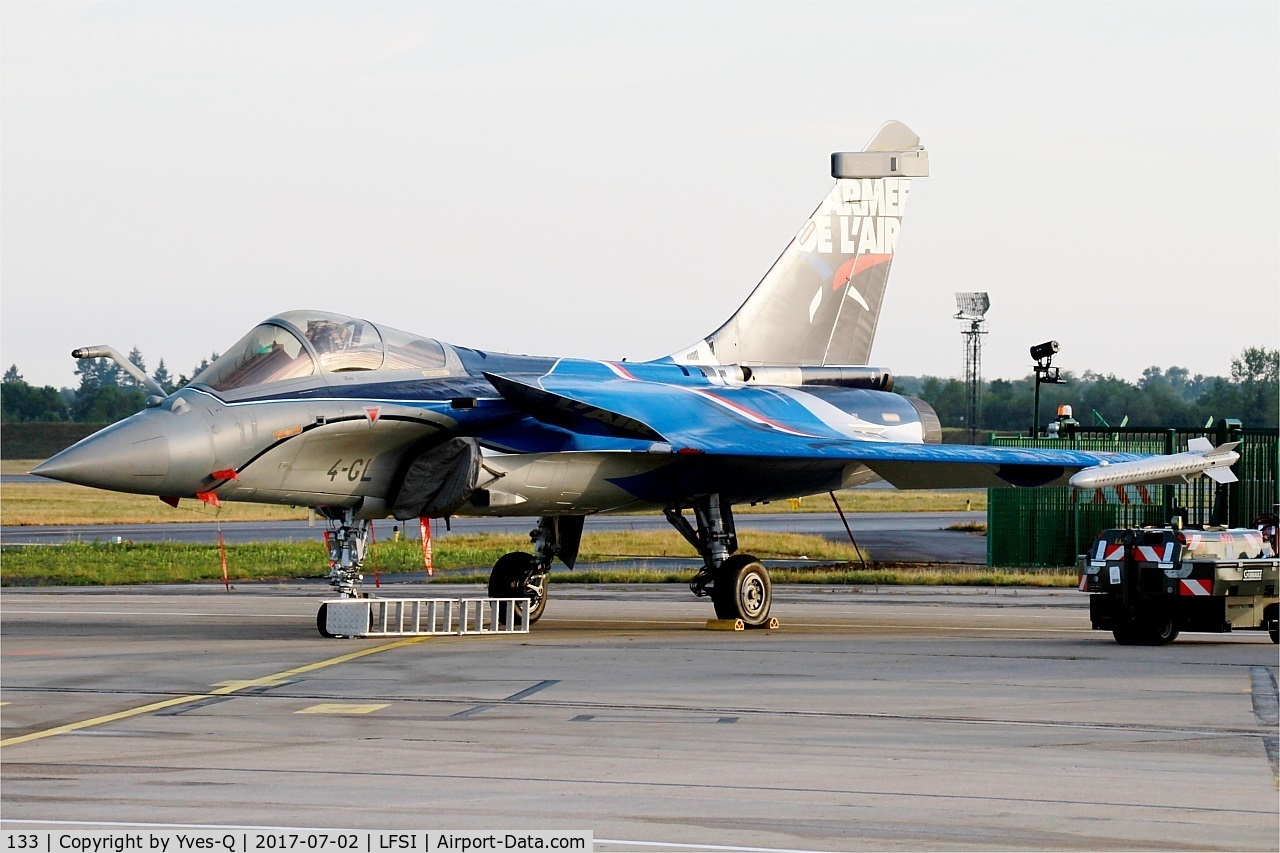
611, 180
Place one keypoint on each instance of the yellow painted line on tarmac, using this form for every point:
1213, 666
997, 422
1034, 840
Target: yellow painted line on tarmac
341, 708
227, 690
240, 684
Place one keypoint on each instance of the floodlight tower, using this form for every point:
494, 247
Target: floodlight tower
973, 308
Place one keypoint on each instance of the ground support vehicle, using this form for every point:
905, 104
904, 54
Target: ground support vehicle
1147, 584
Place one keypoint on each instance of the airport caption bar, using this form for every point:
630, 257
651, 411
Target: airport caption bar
235, 840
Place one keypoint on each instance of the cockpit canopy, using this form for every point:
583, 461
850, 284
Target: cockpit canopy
298, 344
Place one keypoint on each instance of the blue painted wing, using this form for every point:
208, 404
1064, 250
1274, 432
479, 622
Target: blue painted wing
761, 423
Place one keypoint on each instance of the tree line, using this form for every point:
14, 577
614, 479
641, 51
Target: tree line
1161, 398
106, 392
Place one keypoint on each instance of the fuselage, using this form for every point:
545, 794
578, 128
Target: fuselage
281, 419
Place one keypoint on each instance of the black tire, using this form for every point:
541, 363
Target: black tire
1275, 633
724, 609
322, 620
1126, 633
743, 590
1156, 630
1161, 630
510, 578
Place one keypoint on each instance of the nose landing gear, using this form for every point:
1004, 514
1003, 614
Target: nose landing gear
347, 540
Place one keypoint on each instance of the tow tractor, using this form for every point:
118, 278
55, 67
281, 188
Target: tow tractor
1146, 584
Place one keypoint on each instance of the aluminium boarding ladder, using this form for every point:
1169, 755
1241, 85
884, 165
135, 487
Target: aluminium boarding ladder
424, 617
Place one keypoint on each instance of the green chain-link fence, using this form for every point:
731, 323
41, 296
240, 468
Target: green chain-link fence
1049, 527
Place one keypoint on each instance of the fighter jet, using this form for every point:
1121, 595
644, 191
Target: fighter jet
362, 421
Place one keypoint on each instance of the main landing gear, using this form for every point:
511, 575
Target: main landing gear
521, 575
738, 585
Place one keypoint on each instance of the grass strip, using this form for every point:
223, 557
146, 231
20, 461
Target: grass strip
28, 504
94, 563
31, 504
1065, 578
466, 559
979, 527
98, 563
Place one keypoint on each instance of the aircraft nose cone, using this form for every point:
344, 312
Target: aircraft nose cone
131, 456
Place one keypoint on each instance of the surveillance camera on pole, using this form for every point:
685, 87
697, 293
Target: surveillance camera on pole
1045, 351
1046, 373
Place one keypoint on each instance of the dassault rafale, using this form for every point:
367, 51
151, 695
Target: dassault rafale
361, 421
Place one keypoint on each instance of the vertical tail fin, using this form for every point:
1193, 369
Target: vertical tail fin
820, 301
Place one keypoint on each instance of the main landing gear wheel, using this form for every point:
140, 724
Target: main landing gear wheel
515, 576
742, 590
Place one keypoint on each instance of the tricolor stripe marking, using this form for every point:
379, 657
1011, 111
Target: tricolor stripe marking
619, 371
748, 414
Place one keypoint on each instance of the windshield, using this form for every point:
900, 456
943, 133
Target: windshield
271, 353
267, 354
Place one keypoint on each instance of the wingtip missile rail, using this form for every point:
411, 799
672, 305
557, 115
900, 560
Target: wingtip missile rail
1201, 457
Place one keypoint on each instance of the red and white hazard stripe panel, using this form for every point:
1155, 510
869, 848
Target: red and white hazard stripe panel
1154, 553
1107, 551
1084, 583
1194, 586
